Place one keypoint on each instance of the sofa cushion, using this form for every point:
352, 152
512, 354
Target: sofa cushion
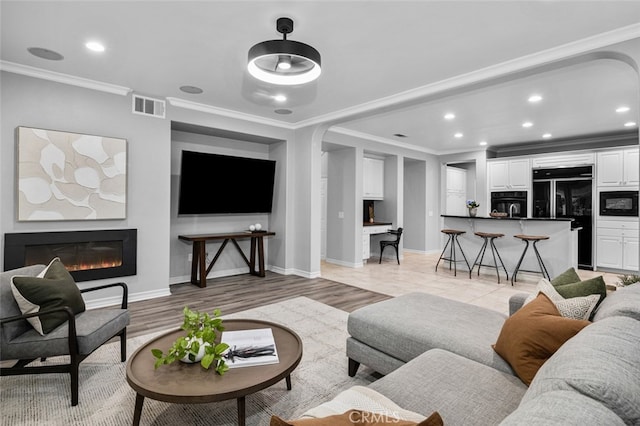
463, 391
625, 301
409, 325
53, 288
534, 333
601, 362
560, 408
357, 418
575, 307
567, 277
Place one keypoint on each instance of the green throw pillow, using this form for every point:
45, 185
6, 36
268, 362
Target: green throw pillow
53, 289
567, 277
584, 288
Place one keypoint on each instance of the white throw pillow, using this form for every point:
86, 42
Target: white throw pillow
575, 307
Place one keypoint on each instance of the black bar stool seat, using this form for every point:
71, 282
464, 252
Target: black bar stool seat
451, 243
527, 239
489, 238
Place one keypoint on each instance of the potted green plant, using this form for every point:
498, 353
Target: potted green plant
199, 342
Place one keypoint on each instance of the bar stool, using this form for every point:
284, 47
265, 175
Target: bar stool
453, 239
535, 239
489, 238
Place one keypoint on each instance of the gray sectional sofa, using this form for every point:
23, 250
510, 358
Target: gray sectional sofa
437, 355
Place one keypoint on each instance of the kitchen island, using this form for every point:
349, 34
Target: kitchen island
559, 252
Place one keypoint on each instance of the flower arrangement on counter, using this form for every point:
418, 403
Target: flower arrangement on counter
471, 204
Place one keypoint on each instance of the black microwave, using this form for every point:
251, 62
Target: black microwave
619, 203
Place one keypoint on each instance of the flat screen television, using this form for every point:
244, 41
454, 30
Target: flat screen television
223, 184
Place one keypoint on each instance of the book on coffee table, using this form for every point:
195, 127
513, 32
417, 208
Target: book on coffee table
250, 347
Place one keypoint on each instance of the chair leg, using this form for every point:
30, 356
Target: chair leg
443, 252
463, 256
543, 268
493, 247
123, 345
397, 254
381, 250
479, 256
353, 367
515, 271
74, 366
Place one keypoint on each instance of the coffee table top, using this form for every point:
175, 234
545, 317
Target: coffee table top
190, 383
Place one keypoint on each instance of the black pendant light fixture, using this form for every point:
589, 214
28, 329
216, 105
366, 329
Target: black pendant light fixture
284, 62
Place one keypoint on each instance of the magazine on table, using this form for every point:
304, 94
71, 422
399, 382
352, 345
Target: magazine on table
250, 347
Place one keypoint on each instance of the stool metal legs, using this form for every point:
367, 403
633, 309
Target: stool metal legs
453, 240
543, 269
494, 252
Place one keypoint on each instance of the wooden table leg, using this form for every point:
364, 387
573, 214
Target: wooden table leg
260, 243
202, 257
288, 380
252, 256
137, 412
241, 411
195, 255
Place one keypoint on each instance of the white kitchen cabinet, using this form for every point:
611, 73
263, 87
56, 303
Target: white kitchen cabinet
618, 168
373, 179
507, 175
456, 191
617, 245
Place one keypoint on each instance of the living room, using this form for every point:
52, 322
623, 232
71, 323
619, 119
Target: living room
46, 94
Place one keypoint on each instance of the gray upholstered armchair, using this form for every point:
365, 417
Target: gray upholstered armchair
78, 336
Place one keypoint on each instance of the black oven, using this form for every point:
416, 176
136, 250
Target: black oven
514, 203
619, 203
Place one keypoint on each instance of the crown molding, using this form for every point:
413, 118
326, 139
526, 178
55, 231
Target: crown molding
373, 138
195, 106
568, 50
63, 78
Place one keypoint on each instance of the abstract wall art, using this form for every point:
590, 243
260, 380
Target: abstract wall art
70, 176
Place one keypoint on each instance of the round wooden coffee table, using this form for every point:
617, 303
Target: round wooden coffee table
191, 384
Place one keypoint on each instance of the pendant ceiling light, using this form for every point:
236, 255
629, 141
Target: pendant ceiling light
284, 61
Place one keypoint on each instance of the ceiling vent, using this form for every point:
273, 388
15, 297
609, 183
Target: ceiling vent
148, 106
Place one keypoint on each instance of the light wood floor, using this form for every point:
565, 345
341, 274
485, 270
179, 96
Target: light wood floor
239, 293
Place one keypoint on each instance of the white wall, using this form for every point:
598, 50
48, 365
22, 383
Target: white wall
230, 261
38, 103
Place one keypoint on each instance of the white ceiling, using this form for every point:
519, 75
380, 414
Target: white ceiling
388, 66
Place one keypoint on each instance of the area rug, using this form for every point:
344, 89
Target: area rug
107, 399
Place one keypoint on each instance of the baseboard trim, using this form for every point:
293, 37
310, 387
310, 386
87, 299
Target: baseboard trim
133, 297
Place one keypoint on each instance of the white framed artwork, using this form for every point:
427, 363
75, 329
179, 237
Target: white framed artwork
70, 176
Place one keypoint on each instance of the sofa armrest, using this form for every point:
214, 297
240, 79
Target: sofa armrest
516, 301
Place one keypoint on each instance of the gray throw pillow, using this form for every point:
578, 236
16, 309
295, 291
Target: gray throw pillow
54, 288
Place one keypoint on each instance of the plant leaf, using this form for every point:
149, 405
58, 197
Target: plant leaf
156, 353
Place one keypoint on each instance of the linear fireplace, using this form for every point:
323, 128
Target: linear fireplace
87, 255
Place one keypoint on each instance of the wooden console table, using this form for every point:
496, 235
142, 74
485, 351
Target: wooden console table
199, 269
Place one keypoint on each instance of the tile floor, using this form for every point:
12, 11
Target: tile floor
417, 273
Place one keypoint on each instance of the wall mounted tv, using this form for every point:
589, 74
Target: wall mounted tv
222, 184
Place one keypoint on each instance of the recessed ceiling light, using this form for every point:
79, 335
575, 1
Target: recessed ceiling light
191, 89
94, 46
280, 98
483, 143
535, 98
399, 135
458, 135
527, 124
283, 111
546, 135
449, 116
43, 53
622, 109
629, 124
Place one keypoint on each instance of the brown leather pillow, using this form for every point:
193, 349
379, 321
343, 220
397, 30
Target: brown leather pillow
530, 336
360, 418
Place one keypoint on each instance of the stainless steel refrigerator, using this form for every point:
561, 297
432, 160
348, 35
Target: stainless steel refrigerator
566, 192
